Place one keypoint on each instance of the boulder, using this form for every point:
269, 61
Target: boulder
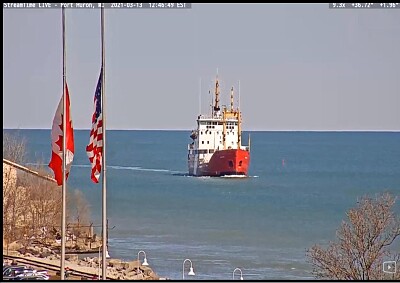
72, 257
133, 265
82, 263
14, 246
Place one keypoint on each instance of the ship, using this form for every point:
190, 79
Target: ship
216, 149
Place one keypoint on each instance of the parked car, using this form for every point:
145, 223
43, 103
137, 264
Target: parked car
13, 269
41, 276
28, 278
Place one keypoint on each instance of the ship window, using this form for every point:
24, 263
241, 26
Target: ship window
202, 142
217, 133
220, 142
240, 163
208, 142
210, 132
211, 150
201, 133
232, 142
230, 163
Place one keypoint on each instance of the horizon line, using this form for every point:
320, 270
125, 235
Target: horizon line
251, 130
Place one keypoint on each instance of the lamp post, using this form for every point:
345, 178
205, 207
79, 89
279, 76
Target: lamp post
98, 278
191, 272
144, 260
241, 274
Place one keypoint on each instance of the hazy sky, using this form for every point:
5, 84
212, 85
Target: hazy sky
301, 67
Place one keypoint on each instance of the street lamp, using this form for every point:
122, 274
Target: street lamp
99, 261
241, 274
191, 272
144, 261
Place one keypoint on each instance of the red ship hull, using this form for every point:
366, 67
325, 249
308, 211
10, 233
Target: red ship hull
226, 162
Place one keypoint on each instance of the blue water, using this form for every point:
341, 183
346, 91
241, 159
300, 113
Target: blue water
301, 184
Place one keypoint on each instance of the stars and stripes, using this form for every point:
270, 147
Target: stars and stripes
94, 149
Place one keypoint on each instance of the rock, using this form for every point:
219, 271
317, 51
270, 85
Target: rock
125, 265
44, 250
118, 264
114, 262
154, 276
44, 254
14, 246
21, 250
137, 277
72, 257
133, 265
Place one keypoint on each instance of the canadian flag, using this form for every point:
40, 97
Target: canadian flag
56, 162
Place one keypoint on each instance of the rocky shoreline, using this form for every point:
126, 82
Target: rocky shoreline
116, 268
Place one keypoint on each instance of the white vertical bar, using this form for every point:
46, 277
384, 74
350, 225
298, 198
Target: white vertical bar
64, 189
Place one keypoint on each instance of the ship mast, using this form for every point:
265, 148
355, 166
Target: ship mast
239, 141
232, 99
216, 104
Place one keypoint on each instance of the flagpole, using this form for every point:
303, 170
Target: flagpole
104, 212
62, 259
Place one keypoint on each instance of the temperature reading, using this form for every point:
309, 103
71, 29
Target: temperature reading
389, 5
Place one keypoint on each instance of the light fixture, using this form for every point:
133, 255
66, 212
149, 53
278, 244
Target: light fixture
241, 274
191, 272
145, 263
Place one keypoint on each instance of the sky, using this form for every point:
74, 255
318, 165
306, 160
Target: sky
301, 67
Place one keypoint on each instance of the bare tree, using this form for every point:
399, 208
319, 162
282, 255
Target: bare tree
31, 205
364, 243
78, 212
14, 148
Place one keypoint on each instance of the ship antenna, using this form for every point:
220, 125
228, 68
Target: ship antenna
216, 105
239, 95
232, 99
212, 111
200, 96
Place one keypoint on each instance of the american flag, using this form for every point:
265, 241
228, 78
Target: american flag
94, 149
